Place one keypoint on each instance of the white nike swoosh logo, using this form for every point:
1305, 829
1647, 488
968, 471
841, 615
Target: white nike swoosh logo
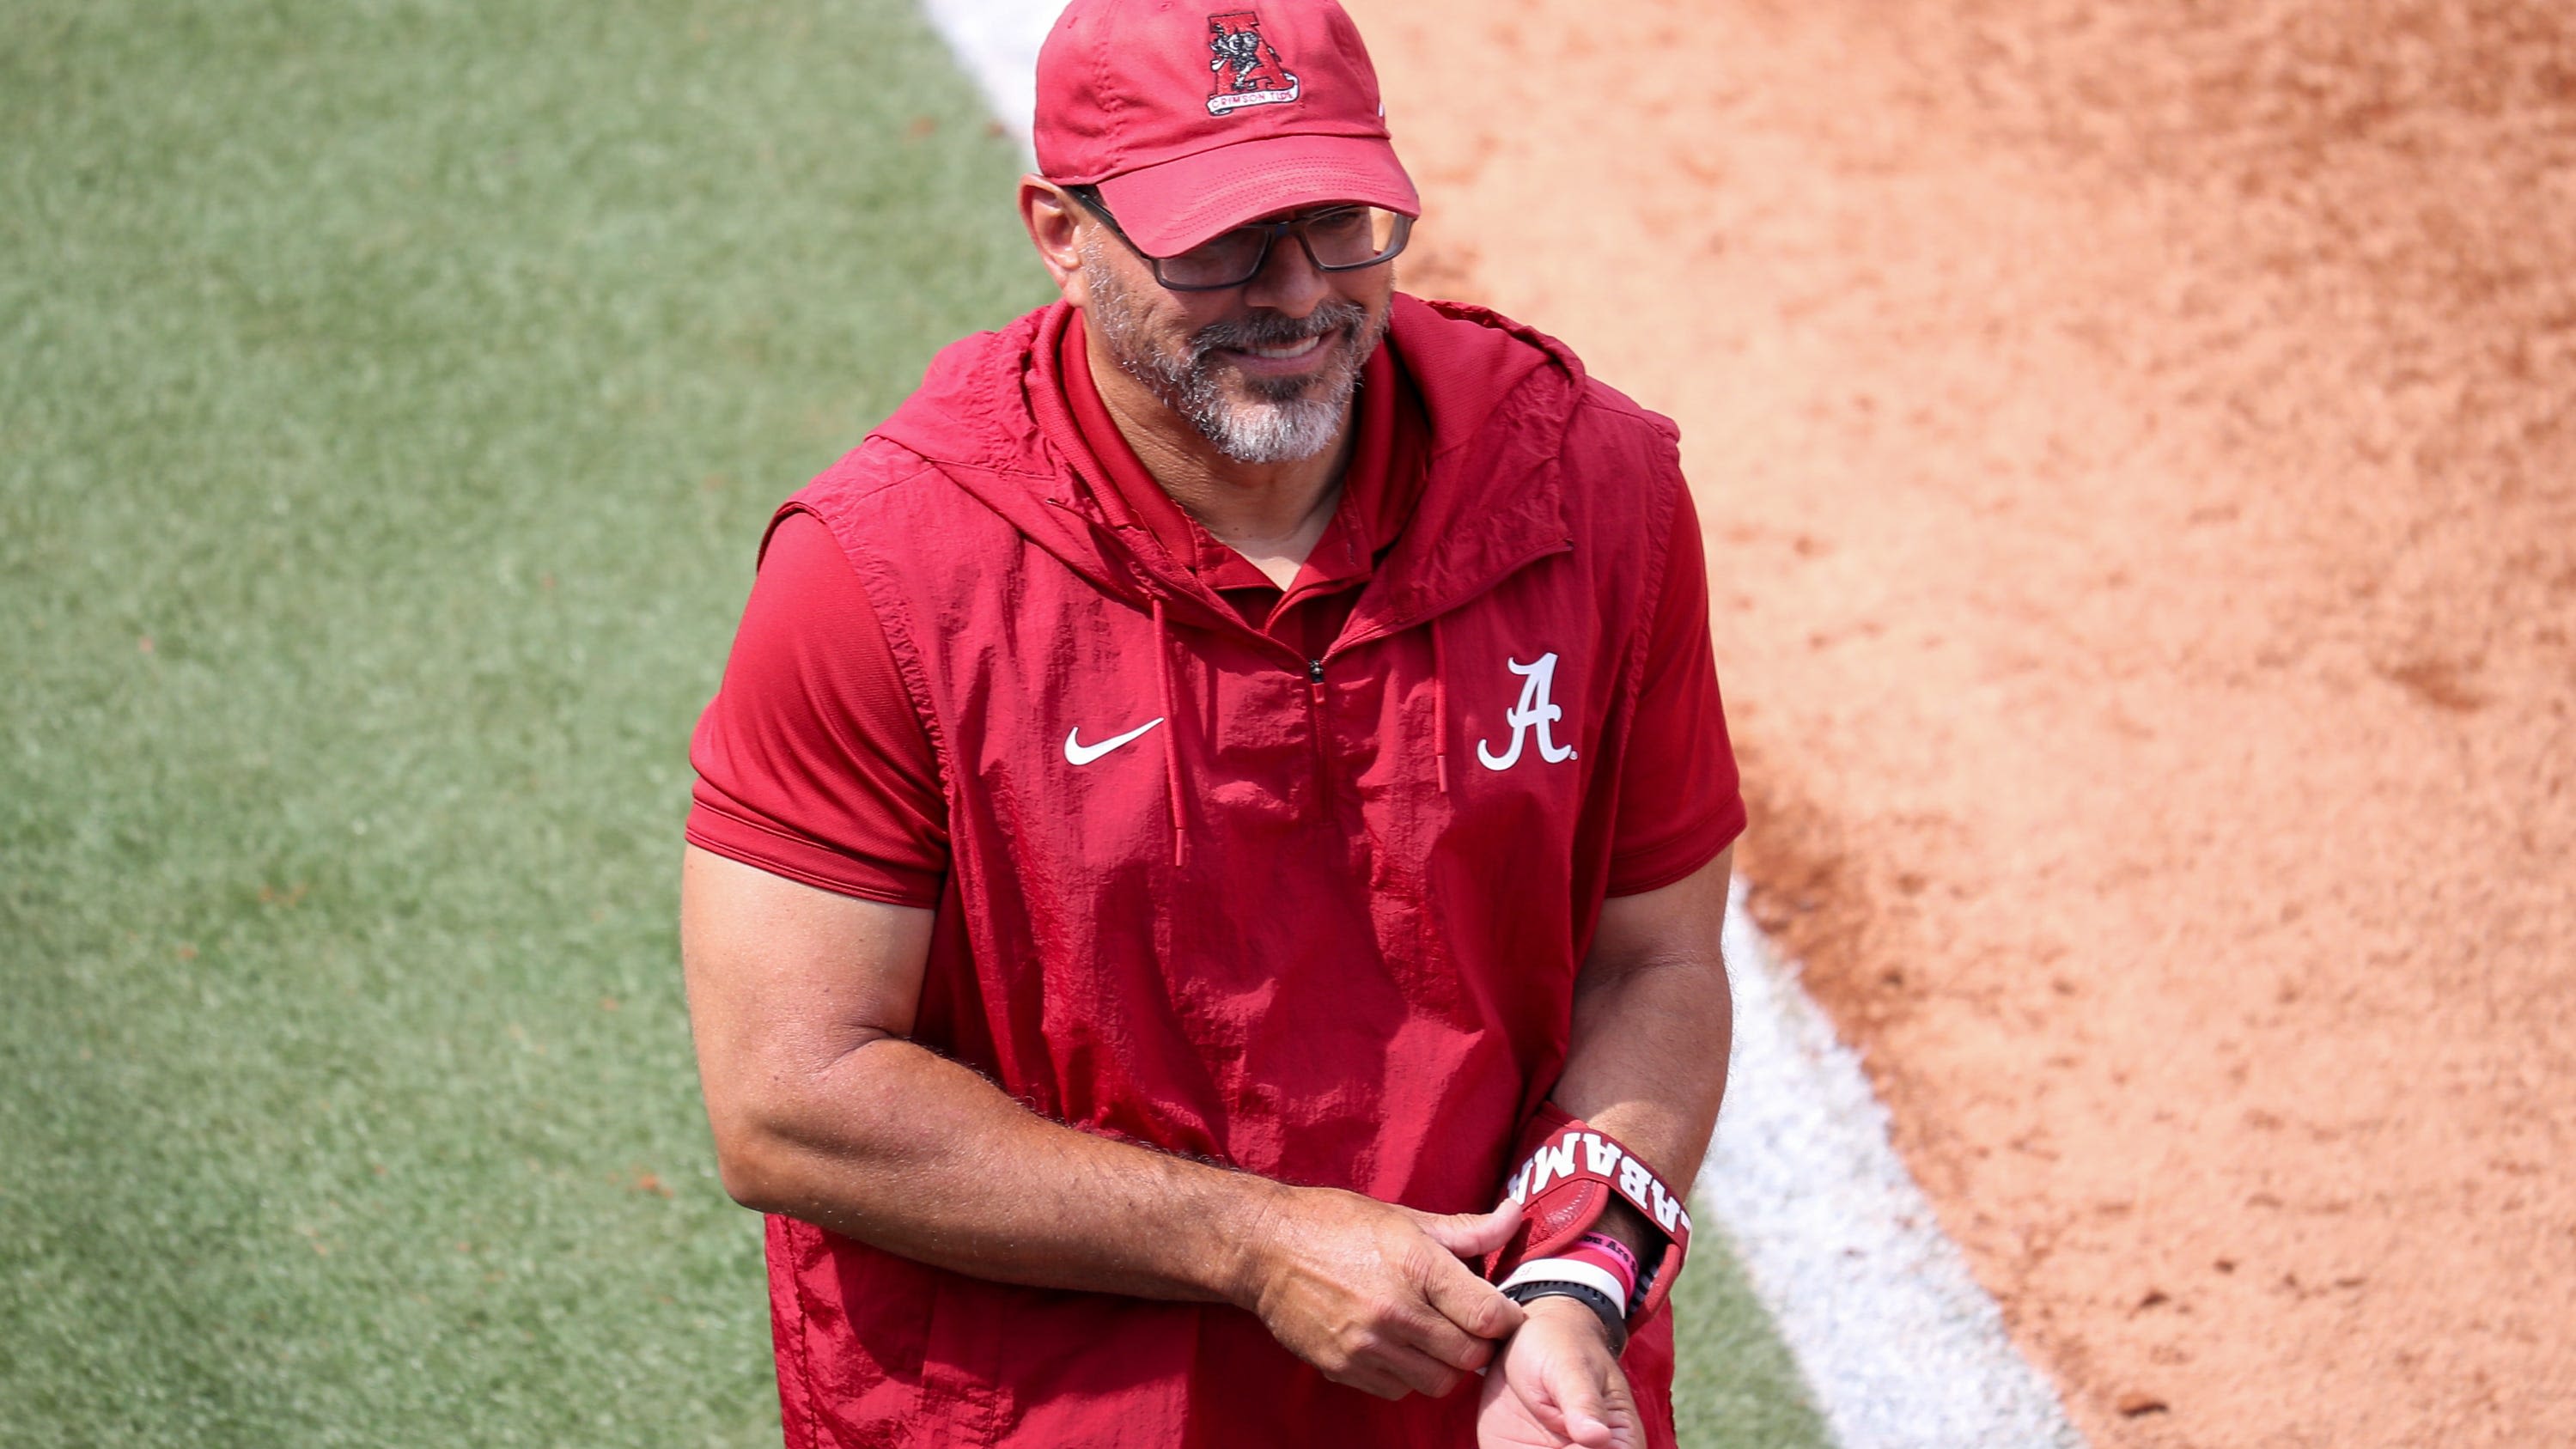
1079, 753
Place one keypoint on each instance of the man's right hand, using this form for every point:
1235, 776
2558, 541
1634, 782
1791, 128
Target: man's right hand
801, 1002
1375, 1295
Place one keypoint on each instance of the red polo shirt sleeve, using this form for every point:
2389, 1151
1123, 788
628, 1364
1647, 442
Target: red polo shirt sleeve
1680, 801
811, 762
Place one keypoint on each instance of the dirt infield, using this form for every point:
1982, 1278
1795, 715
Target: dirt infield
2135, 445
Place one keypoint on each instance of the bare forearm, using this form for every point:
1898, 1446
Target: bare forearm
1648, 1060
1653, 1021
802, 1006
906, 1150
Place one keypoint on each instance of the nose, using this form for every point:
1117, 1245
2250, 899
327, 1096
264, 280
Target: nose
1289, 282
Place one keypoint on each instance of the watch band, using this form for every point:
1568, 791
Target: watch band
1570, 1270
1613, 1321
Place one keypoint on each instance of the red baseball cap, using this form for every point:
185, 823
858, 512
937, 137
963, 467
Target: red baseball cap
1196, 116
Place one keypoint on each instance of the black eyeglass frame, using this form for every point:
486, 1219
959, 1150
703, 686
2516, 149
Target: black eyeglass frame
1271, 231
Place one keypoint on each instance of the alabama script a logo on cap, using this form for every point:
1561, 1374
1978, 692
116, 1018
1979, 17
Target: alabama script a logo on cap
1246, 70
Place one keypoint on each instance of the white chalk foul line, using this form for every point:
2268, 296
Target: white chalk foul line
996, 43
1901, 1347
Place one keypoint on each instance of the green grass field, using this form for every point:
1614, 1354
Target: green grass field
391, 393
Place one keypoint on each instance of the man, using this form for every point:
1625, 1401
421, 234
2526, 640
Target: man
1199, 798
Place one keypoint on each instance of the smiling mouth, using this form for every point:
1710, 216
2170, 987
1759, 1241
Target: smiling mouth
1287, 350
1297, 351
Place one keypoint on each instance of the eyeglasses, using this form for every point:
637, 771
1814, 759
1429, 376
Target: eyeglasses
1335, 239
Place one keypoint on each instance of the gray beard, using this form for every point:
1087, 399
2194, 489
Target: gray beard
1285, 420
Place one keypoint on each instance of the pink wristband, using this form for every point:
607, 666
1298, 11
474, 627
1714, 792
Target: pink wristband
1611, 1255
1614, 1248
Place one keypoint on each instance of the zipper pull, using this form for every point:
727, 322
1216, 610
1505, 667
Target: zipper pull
1315, 670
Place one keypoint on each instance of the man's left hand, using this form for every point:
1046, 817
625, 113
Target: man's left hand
1556, 1384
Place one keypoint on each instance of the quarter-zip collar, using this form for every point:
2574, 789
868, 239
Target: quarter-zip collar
1378, 489
1377, 492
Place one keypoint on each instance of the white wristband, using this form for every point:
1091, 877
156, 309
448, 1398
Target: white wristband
1570, 1270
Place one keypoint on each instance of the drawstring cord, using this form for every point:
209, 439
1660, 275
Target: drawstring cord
1439, 711
1171, 734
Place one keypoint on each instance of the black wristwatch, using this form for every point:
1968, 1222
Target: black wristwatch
1593, 1298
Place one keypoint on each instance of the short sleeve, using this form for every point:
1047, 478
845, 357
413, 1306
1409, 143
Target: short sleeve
1680, 800
811, 761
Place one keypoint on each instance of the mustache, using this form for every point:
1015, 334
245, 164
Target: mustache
1273, 330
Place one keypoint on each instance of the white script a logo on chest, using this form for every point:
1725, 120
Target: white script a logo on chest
1534, 712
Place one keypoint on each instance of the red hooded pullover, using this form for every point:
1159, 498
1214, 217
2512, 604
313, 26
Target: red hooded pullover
1321, 920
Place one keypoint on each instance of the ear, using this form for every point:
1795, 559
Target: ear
1052, 218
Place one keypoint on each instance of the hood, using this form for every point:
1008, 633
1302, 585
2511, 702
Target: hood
990, 414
